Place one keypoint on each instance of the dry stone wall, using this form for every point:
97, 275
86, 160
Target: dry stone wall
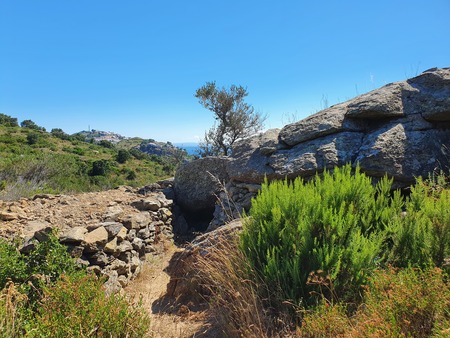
109, 232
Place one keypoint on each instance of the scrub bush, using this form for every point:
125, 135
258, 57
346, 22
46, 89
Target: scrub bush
324, 238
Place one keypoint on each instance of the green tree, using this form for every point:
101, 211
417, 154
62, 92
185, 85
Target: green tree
235, 119
8, 121
31, 125
100, 168
32, 138
59, 133
123, 155
106, 144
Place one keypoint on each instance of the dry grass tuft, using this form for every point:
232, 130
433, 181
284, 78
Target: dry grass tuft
236, 308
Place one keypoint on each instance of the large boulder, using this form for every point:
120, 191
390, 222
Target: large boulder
401, 130
251, 157
198, 183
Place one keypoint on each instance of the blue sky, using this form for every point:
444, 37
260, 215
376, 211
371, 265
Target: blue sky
133, 66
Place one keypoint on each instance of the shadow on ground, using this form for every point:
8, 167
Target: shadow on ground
184, 297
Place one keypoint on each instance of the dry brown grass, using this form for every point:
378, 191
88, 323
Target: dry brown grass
11, 302
235, 305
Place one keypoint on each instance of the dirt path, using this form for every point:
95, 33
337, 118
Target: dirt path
151, 285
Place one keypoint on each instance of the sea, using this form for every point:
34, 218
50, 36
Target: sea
191, 148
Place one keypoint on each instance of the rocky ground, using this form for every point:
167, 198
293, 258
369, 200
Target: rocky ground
88, 210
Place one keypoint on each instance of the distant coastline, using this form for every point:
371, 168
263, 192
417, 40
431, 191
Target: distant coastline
191, 147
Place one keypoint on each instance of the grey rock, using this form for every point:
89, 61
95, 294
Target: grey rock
329, 121
120, 266
381, 103
164, 214
111, 247
131, 234
249, 164
180, 225
112, 285
144, 233
37, 229
113, 228
95, 269
95, 239
136, 221
309, 157
112, 214
73, 235
149, 204
403, 154
124, 246
139, 245
100, 258
197, 183
431, 95
123, 281
76, 251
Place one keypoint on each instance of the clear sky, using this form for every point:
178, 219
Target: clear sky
132, 67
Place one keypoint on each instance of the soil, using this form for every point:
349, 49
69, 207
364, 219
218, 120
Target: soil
168, 319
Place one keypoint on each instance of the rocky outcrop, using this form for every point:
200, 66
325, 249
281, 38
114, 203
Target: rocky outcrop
401, 129
198, 182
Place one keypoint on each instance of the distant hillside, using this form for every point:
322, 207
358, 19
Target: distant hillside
98, 135
34, 161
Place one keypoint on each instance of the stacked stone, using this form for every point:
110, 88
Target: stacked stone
233, 202
116, 247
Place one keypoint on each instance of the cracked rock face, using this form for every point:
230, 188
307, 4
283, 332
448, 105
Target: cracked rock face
401, 129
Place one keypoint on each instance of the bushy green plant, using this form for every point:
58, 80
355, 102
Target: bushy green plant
100, 168
7, 120
319, 237
44, 264
76, 306
32, 138
421, 237
12, 264
45, 294
406, 303
323, 238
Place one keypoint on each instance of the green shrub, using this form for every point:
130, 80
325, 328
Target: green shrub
12, 264
100, 168
31, 125
325, 237
44, 264
8, 121
76, 306
123, 156
59, 133
32, 138
106, 144
45, 294
131, 175
407, 303
421, 237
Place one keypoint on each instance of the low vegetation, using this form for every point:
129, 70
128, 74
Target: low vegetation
337, 256
45, 294
34, 161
